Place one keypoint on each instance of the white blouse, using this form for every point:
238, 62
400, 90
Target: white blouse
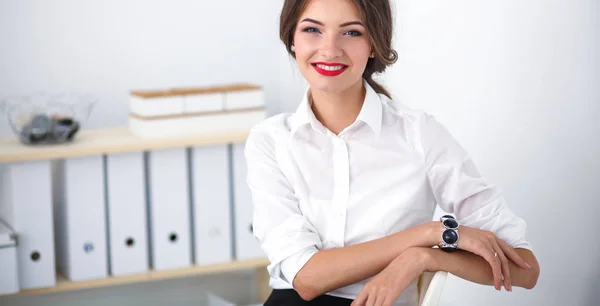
313, 190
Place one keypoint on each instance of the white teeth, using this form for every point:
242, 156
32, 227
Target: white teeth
330, 68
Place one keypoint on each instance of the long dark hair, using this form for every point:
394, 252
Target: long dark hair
377, 17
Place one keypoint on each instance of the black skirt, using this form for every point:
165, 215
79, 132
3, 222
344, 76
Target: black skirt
289, 297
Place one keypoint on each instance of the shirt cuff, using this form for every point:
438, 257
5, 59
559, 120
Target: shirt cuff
523, 245
291, 265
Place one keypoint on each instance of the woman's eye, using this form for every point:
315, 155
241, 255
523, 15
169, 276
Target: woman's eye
353, 33
311, 30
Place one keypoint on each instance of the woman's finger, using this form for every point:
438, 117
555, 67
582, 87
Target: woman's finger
474, 241
487, 252
389, 300
371, 298
360, 299
503, 262
513, 255
379, 299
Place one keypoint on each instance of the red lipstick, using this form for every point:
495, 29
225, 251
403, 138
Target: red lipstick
330, 73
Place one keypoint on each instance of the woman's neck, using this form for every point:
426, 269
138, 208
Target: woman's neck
338, 110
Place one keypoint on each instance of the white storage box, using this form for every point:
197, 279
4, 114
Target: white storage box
127, 213
207, 125
155, 104
211, 200
80, 218
244, 99
195, 100
9, 277
30, 215
196, 111
203, 102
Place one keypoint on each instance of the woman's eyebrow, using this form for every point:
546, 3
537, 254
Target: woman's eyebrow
345, 24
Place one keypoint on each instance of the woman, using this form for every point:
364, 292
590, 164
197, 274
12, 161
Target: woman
345, 188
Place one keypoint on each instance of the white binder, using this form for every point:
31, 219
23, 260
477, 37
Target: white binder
26, 207
168, 182
246, 246
80, 218
211, 204
127, 213
9, 274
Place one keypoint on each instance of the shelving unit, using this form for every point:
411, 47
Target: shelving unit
104, 141
66, 285
117, 140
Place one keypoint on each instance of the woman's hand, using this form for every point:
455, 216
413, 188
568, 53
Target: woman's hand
494, 250
386, 287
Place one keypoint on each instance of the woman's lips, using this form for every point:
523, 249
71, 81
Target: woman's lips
330, 69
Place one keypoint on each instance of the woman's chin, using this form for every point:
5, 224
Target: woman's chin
330, 84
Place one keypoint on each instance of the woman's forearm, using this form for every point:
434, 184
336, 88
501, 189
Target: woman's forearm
474, 268
330, 269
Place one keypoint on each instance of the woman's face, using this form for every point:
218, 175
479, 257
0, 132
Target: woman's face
331, 45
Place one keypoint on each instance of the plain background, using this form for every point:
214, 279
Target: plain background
516, 82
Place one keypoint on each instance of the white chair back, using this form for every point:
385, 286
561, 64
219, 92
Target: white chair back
430, 286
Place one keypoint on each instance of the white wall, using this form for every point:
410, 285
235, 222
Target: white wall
517, 83
111, 47
514, 81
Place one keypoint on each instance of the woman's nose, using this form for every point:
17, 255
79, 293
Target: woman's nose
330, 47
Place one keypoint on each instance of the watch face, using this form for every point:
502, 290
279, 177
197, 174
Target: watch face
450, 223
450, 236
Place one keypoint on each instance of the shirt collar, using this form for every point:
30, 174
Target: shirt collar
370, 113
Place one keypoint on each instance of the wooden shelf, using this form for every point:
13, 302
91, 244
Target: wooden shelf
117, 140
66, 285
104, 141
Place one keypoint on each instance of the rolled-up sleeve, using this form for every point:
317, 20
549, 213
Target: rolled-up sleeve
460, 189
285, 235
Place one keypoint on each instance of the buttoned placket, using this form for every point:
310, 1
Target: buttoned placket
341, 188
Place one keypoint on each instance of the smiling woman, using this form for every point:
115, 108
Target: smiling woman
361, 31
344, 189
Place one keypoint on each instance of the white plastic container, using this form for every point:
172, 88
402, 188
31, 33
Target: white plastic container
9, 276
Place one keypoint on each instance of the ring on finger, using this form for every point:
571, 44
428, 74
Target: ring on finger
495, 254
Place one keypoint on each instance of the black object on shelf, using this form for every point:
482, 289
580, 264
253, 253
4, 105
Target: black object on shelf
45, 130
